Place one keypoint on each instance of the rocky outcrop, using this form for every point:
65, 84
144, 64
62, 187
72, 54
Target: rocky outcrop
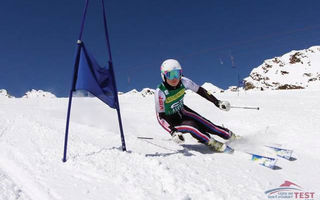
294, 70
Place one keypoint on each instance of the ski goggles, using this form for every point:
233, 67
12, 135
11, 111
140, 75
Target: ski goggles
173, 74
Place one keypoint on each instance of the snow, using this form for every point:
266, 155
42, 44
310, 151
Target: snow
147, 91
297, 68
134, 91
4, 94
38, 93
32, 139
211, 88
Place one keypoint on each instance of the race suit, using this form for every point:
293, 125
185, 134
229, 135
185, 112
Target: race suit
173, 115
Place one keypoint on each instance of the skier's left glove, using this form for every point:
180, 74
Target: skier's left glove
224, 105
177, 137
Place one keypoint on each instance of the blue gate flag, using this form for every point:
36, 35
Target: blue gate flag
89, 75
97, 80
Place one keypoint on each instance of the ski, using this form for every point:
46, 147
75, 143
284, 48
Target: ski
282, 153
264, 160
228, 150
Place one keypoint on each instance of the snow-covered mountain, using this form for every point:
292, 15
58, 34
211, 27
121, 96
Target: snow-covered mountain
4, 93
144, 92
294, 70
134, 91
147, 91
38, 93
212, 88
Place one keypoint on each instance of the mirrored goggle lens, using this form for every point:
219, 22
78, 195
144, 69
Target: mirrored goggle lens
173, 74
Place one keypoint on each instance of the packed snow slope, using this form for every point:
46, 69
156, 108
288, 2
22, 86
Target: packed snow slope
32, 139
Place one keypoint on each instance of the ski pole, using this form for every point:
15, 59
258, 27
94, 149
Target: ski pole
243, 107
145, 138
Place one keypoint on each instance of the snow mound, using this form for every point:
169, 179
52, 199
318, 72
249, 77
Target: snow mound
234, 89
134, 91
38, 93
144, 92
4, 93
147, 92
294, 70
212, 88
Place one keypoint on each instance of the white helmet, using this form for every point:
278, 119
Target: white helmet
168, 66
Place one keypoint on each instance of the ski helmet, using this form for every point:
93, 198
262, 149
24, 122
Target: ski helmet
170, 69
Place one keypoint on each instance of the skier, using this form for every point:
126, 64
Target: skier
177, 118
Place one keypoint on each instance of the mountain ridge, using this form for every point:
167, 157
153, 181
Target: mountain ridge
298, 69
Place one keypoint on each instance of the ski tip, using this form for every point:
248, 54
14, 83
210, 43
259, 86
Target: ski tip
228, 150
276, 167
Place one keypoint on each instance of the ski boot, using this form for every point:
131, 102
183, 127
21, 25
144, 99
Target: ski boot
233, 136
216, 145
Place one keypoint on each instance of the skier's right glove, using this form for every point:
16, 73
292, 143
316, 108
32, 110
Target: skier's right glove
224, 105
177, 137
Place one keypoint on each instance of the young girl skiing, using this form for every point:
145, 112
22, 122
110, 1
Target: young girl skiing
177, 118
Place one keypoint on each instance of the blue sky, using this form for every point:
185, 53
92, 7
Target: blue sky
215, 41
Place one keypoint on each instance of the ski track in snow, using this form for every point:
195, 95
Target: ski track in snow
32, 136
9, 190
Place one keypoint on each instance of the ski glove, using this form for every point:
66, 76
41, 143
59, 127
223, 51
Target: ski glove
224, 105
177, 137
